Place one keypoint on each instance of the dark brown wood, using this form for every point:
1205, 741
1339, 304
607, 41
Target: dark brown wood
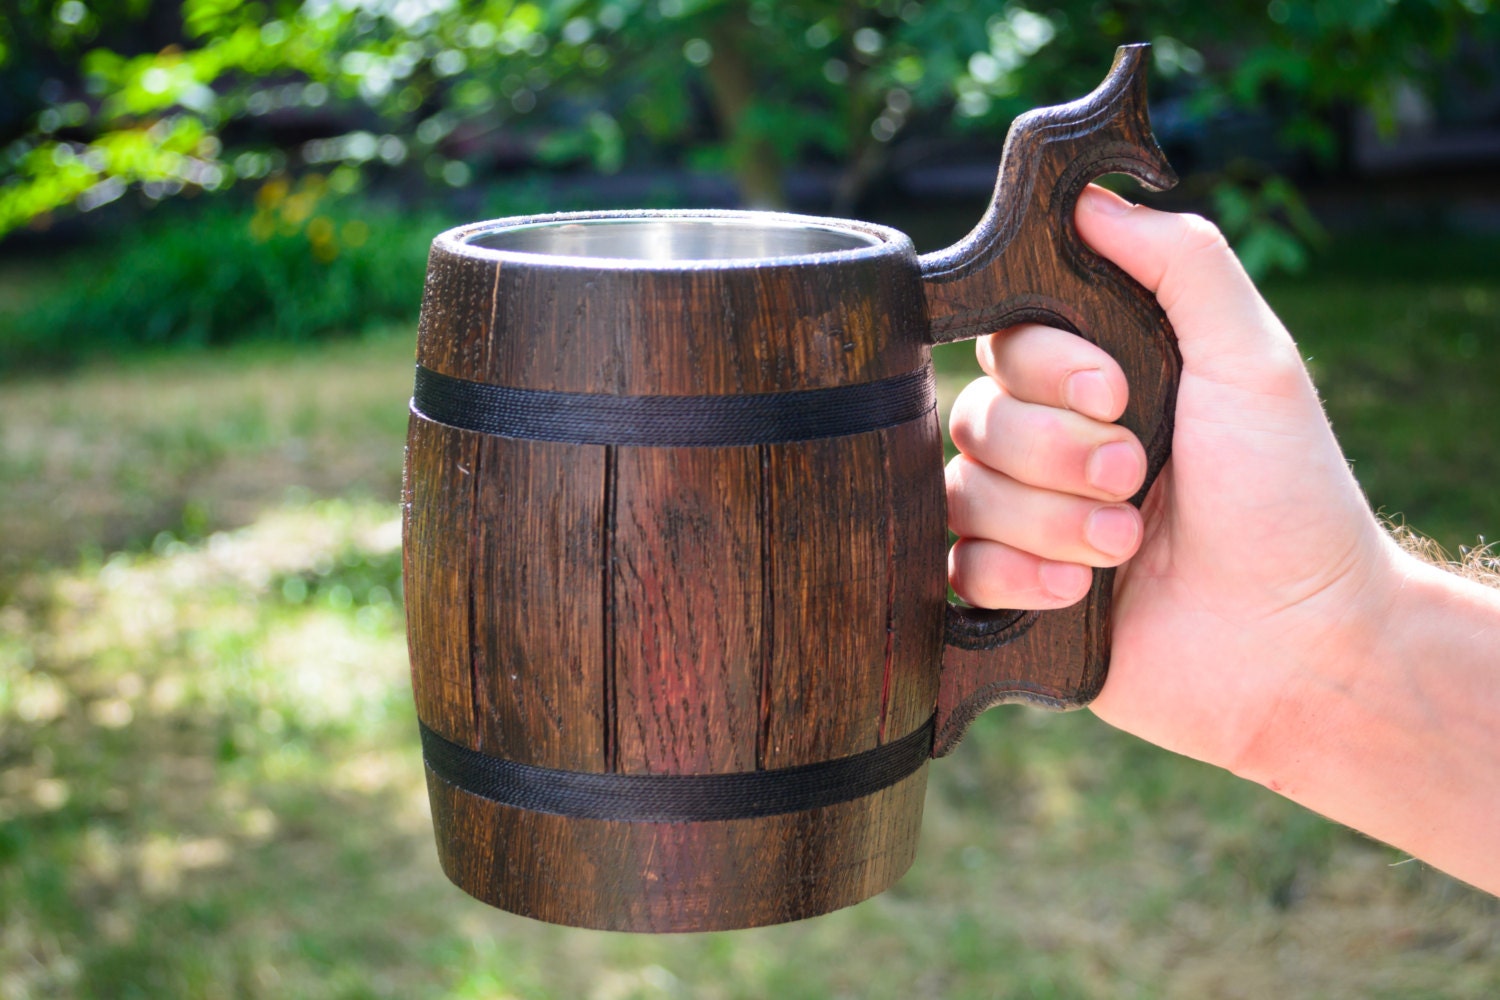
667, 877
829, 580
437, 508
918, 583
663, 610
601, 330
1056, 660
536, 543
1025, 262
687, 594
637, 609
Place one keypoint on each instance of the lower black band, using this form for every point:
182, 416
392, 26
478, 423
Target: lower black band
674, 421
676, 798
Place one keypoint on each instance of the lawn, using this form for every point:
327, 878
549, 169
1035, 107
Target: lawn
210, 782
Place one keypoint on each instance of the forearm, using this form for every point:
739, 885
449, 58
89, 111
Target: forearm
1398, 735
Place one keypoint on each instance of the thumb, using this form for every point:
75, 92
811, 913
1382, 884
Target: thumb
1222, 322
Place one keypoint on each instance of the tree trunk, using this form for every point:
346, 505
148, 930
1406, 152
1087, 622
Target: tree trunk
731, 83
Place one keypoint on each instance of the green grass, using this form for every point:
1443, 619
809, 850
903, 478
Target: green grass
1403, 338
210, 782
109, 457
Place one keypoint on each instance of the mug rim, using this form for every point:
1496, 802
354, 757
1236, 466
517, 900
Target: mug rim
879, 240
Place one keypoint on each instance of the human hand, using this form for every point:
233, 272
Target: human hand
1255, 552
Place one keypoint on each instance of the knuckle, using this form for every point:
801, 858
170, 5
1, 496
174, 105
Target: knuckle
959, 471
1201, 248
961, 430
1282, 373
1199, 235
962, 480
970, 414
979, 574
986, 351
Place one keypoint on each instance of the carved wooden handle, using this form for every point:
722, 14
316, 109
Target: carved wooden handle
1025, 262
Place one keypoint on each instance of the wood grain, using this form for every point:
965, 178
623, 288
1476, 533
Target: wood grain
656, 610
675, 610
437, 510
829, 580
770, 327
666, 877
536, 551
1025, 262
918, 582
687, 597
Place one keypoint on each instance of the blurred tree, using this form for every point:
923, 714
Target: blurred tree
102, 96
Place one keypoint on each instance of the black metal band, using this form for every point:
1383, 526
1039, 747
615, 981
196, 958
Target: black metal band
674, 421
676, 798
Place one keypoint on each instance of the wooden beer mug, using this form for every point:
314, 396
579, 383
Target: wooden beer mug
675, 535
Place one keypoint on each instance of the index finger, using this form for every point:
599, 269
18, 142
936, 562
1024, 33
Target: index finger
1051, 367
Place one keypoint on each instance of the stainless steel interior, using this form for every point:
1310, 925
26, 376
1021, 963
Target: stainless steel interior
674, 239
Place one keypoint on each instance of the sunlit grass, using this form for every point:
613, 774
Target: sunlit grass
212, 786
108, 457
180, 729
1409, 366
210, 782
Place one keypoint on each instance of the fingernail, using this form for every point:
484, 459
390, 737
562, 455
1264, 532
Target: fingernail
1104, 202
1088, 392
1065, 581
1112, 530
1114, 468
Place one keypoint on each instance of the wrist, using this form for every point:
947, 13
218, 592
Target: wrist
1390, 728
1325, 663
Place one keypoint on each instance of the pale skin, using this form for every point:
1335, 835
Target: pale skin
1264, 620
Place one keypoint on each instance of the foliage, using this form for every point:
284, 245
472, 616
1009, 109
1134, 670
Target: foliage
301, 261
1273, 225
138, 94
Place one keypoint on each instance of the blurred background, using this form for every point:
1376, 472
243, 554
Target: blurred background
213, 225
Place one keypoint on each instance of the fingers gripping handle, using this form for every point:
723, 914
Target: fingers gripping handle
1025, 262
